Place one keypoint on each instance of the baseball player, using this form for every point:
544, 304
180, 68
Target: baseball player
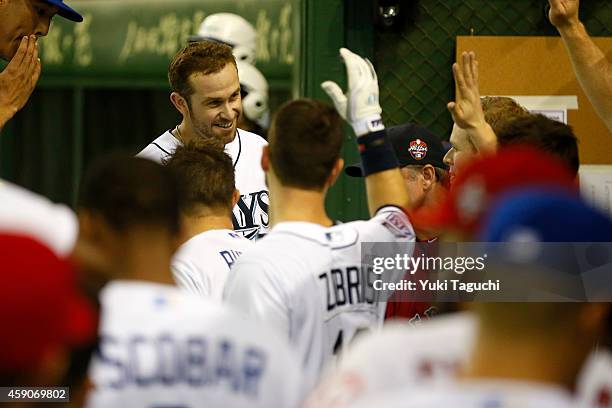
210, 247
22, 22
238, 33
472, 134
306, 278
407, 356
206, 92
420, 155
481, 125
159, 345
45, 314
524, 354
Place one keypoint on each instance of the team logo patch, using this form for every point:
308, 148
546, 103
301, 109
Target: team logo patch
418, 149
398, 225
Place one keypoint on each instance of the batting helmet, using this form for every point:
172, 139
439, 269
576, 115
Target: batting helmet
254, 91
230, 29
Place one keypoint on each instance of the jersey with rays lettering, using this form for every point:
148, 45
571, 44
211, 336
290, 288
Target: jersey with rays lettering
307, 281
250, 215
201, 265
163, 347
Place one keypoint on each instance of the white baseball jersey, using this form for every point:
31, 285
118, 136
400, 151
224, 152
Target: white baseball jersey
475, 394
27, 213
400, 356
163, 347
306, 280
250, 215
201, 265
595, 381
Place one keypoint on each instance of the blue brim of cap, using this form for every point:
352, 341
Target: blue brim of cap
65, 11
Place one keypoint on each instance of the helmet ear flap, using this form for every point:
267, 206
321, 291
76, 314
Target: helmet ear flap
254, 91
244, 54
255, 105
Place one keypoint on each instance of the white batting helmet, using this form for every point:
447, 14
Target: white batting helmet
254, 90
230, 29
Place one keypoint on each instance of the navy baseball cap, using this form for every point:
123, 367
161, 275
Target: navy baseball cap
65, 11
413, 145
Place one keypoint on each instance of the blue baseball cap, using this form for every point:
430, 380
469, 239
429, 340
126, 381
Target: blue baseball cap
65, 11
555, 246
547, 215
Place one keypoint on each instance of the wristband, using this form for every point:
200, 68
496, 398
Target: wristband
377, 153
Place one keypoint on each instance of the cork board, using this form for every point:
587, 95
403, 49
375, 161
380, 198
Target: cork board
532, 66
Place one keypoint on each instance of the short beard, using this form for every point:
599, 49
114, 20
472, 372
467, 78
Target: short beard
205, 135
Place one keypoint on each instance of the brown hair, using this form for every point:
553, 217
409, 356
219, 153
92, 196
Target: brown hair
499, 110
129, 192
205, 176
545, 134
202, 57
305, 142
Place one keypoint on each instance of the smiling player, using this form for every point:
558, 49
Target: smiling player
206, 91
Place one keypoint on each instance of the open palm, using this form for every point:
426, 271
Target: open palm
466, 109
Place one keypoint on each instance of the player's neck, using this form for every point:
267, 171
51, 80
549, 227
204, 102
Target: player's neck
184, 133
435, 197
542, 361
146, 256
194, 225
431, 200
294, 204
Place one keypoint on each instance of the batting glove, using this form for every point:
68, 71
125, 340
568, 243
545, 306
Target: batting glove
359, 106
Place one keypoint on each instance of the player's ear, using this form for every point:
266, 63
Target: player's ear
265, 158
428, 173
336, 170
235, 197
179, 103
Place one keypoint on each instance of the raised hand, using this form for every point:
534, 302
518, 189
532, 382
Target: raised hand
563, 13
19, 78
467, 109
359, 106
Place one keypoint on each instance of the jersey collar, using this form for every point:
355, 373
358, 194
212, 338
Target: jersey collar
234, 148
168, 143
305, 230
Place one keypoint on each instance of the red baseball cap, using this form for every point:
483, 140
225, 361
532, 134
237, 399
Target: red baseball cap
477, 187
41, 307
